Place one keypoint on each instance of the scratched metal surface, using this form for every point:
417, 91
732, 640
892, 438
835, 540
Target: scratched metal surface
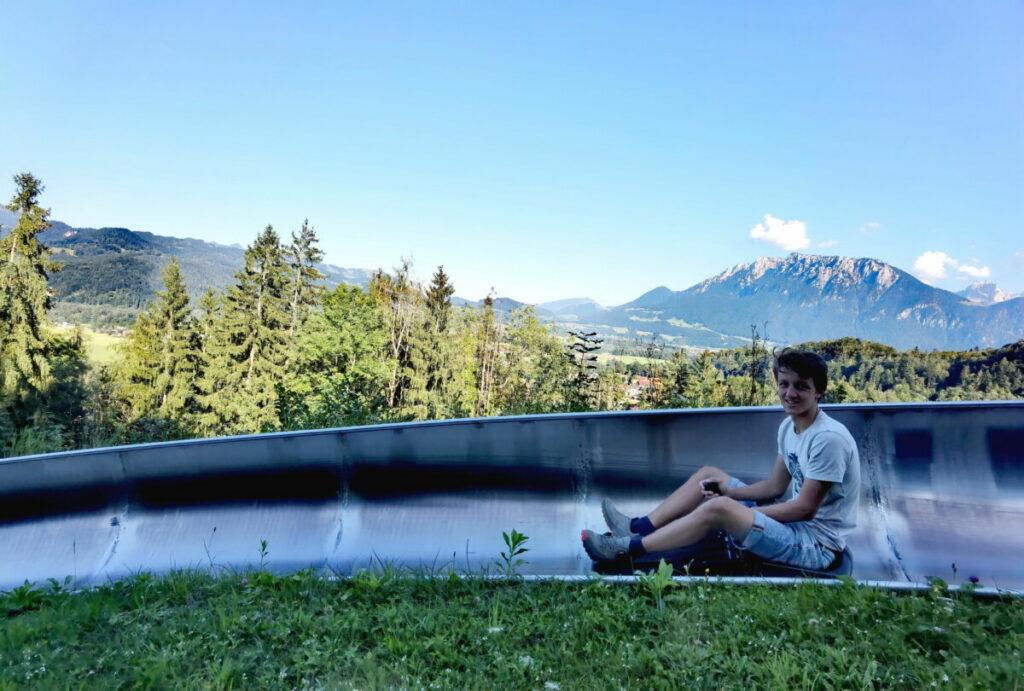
943, 484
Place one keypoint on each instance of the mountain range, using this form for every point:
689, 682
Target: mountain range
788, 299
808, 297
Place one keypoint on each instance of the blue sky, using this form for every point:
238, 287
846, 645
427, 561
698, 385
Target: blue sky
547, 150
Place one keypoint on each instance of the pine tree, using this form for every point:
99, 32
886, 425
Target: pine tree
439, 301
677, 386
440, 350
161, 355
707, 383
209, 315
580, 352
245, 355
304, 289
24, 300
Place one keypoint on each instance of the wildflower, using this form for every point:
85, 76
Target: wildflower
853, 610
495, 629
245, 581
812, 622
973, 579
551, 686
525, 660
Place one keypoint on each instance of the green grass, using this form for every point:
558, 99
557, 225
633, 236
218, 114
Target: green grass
393, 630
100, 348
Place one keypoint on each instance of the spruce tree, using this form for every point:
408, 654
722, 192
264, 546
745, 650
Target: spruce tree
161, 355
706, 386
678, 386
24, 299
244, 359
439, 301
304, 287
440, 349
209, 314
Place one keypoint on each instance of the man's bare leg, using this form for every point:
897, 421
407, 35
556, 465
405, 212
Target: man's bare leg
687, 498
719, 513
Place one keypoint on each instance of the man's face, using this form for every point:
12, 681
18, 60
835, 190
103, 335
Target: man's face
796, 394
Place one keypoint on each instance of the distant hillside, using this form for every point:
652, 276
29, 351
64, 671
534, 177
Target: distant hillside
109, 274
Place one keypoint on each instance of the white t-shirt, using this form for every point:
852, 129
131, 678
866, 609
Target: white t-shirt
825, 451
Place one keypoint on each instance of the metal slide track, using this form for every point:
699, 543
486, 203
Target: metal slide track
943, 484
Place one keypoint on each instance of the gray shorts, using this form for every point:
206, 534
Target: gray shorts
789, 543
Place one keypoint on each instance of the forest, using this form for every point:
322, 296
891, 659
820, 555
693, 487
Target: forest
277, 351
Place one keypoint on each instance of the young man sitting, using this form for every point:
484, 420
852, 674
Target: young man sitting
817, 461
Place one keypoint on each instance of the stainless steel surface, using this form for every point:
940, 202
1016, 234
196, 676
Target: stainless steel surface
943, 485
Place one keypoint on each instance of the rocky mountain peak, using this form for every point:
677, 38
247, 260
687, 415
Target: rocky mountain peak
986, 293
822, 272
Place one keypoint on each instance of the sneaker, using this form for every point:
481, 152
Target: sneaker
617, 521
605, 547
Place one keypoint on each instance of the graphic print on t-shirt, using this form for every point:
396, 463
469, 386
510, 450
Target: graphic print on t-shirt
794, 468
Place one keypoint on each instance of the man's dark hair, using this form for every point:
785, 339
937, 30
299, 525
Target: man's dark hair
806, 364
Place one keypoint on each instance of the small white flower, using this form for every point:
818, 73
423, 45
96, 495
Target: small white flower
495, 629
525, 660
552, 686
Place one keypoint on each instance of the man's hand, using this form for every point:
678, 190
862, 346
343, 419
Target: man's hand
713, 486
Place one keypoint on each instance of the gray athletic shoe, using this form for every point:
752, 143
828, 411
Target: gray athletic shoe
617, 521
605, 547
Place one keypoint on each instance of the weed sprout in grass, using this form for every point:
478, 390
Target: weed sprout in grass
514, 542
657, 582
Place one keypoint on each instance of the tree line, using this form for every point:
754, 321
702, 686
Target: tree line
278, 351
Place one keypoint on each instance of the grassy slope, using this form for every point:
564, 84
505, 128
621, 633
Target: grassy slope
384, 631
100, 348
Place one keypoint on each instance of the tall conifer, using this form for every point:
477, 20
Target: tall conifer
24, 299
244, 359
441, 350
160, 364
304, 289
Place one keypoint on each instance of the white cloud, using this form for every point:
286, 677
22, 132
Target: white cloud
931, 266
871, 227
1018, 257
789, 235
974, 271
828, 243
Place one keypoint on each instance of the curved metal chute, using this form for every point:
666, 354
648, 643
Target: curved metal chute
942, 496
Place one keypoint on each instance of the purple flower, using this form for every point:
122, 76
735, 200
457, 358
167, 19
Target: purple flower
973, 579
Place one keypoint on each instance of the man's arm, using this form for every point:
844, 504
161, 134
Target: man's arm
804, 507
763, 490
